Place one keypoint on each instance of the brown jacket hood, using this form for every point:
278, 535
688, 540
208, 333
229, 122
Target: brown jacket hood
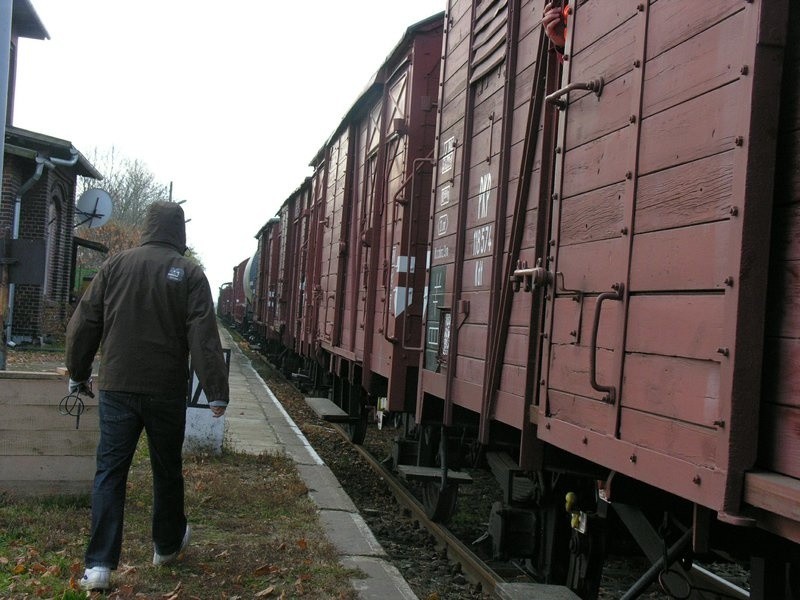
164, 223
151, 309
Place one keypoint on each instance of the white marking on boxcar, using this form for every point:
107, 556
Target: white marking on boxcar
484, 196
444, 196
479, 273
448, 151
482, 240
441, 228
403, 264
445, 335
403, 296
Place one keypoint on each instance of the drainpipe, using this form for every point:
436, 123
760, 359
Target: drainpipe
41, 163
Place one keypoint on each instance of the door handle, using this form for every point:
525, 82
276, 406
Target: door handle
617, 293
594, 85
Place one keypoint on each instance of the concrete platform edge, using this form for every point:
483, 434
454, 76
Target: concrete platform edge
345, 528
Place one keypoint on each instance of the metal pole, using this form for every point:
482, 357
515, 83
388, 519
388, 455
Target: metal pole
6, 11
661, 565
5, 58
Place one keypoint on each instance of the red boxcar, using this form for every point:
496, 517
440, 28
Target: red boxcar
281, 279
294, 221
240, 311
225, 303
371, 189
629, 186
264, 302
608, 311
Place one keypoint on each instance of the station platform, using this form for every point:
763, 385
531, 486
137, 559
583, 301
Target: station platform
255, 422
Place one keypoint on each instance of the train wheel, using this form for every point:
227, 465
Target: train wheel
440, 504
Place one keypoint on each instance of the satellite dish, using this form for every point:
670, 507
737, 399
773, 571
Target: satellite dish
93, 208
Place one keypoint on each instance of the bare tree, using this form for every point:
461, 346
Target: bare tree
130, 183
132, 187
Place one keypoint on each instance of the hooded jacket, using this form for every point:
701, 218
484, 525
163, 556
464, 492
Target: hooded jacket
149, 309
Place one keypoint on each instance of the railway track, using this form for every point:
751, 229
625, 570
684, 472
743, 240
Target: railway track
475, 569
507, 580
351, 463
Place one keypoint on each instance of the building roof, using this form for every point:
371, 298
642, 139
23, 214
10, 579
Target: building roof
29, 144
26, 23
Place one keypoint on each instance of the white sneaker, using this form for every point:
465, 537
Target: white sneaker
96, 578
165, 559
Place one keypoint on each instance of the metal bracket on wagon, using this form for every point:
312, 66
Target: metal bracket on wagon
532, 278
594, 85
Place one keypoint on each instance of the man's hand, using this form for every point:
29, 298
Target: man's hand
218, 411
80, 387
553, 23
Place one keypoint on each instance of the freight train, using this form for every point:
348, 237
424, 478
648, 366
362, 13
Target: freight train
577, 266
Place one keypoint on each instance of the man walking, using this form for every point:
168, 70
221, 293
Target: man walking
149, 309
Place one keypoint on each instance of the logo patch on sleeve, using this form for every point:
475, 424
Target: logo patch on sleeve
175, 274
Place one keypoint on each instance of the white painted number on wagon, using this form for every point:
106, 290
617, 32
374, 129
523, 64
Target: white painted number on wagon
482, 240
479, 273
484, 195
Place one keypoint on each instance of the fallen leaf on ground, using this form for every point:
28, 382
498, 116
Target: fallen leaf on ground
265, 593
38, 568
174, 594
264, 570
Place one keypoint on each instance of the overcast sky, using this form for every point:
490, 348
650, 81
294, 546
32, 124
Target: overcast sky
229, 100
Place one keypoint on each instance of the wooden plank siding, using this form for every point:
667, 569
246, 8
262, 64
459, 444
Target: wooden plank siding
41, 451
657, 194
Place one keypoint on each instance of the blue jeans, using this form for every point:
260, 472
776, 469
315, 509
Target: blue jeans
122, 418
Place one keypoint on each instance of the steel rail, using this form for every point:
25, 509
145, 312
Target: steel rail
476, 571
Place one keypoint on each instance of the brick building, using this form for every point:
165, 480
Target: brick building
37, 213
